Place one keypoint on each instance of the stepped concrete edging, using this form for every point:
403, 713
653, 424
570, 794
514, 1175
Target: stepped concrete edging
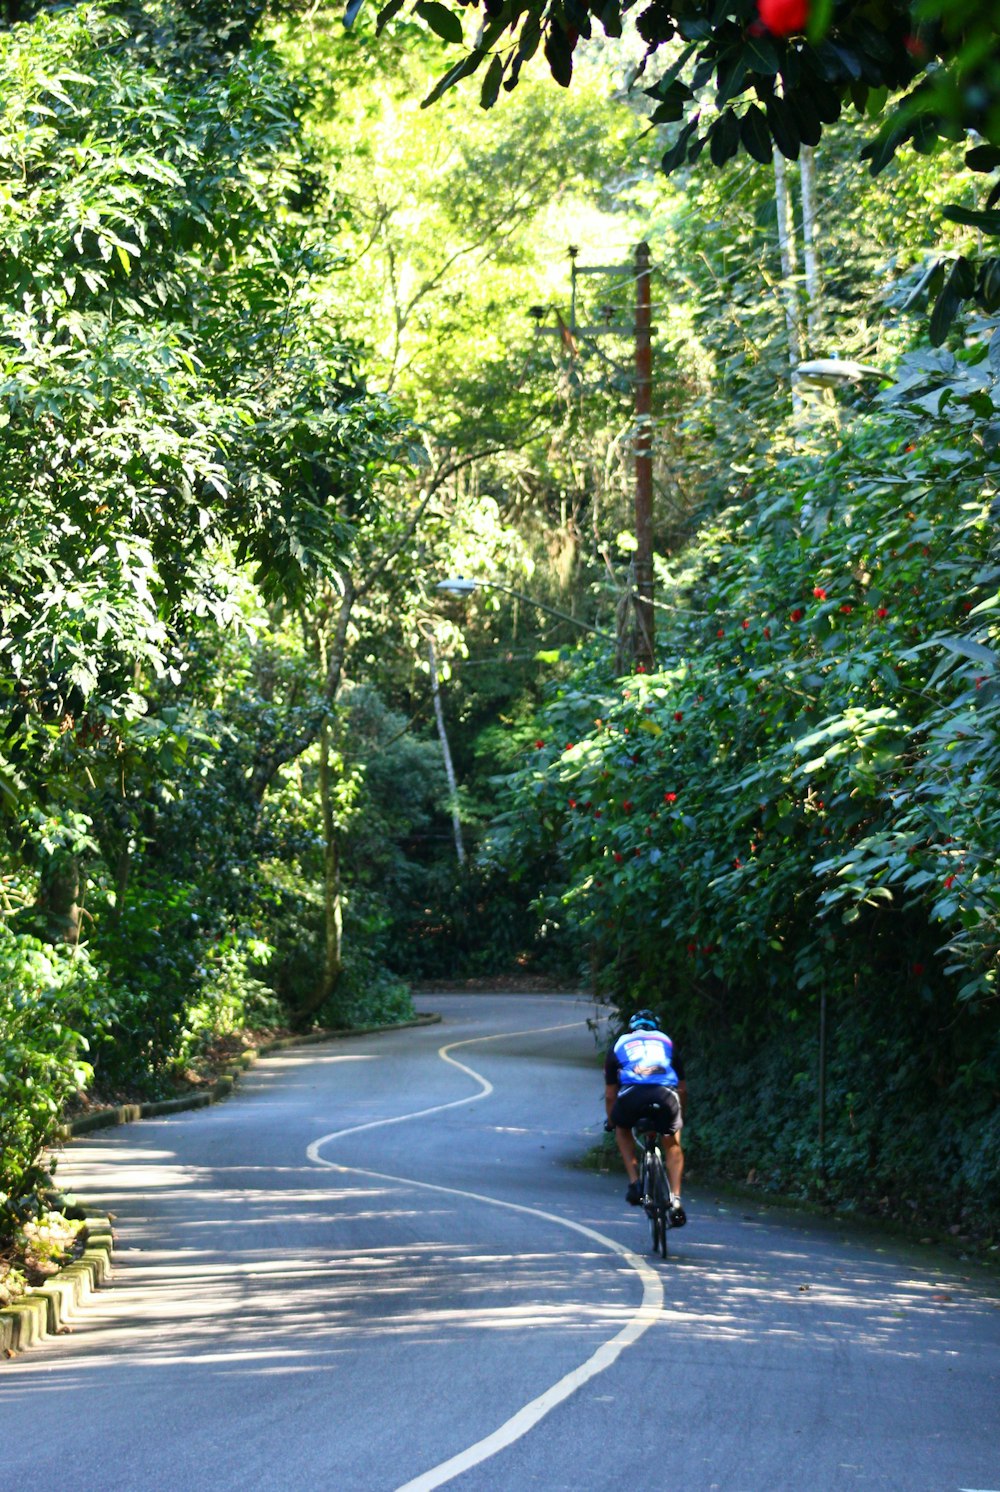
49, 1308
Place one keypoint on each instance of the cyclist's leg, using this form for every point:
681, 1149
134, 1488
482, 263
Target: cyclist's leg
622, 1115
626, 1149
673, 1156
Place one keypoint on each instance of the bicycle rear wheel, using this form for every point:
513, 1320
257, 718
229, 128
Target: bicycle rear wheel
648, 1195
660, 1205
655, 1196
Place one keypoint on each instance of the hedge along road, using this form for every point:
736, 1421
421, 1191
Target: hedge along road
314, 1289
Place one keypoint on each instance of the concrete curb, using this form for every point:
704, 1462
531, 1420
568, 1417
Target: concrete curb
50, 1308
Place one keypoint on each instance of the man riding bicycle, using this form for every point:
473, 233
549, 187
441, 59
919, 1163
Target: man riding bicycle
643, 1073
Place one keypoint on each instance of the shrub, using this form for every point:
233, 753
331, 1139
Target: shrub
47, 996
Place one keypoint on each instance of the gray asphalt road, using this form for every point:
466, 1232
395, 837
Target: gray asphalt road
307, 1295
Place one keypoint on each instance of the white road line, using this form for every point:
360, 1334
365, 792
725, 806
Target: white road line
312, 1151
527, 1417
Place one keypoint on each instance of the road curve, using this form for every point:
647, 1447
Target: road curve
376, 1268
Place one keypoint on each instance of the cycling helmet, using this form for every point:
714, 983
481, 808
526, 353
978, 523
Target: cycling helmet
643, 1020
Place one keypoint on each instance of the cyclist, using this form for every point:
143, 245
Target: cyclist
643, 1068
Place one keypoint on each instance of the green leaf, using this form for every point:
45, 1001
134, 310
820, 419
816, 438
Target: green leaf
724, 138
958, 286
559, 54
677, 153
969, 649
386, 14
820, 16
983, 158
454, 75
781, 123
756, 136
986, 222
611, 18
803, 111
442, 21
672, 104
491, 83
761, 55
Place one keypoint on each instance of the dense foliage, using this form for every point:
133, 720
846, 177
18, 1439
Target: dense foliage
188, 453
758, 78
803, 805
281, 350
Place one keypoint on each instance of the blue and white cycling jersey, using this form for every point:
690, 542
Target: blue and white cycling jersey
643, 1057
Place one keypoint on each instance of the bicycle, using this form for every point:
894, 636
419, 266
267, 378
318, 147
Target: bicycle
656, 1197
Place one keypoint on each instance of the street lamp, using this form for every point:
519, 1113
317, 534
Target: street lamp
835, 372
462, 585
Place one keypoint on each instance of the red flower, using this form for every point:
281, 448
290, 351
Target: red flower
626, 806
882, 612
720, 633
539, 745
569, 746
572, 802
618, 857
847, 609
949, 881
597, 813
783, 17
819, 593
692, 948
640, 668
767, 633
745, 625
678, 716
670, 797
796, 615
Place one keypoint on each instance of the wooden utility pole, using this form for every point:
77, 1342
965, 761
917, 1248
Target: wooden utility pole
643, 627
645, 631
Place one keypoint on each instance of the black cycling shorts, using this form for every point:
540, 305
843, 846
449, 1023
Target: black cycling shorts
629, 1107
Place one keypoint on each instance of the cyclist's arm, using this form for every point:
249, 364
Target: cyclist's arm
611, 1083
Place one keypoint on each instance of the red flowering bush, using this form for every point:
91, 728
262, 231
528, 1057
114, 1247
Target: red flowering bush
805, 850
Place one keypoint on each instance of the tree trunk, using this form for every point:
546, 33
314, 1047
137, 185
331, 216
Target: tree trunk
449, 770
807, 179
333, 910
786, 243
332, 903
57, 911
